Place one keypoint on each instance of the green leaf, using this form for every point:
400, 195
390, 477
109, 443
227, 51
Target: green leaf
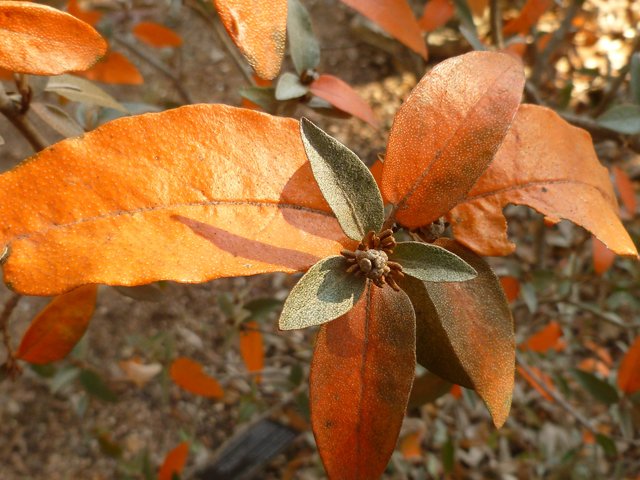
623, 119
64, 377
261, 308
345, 182
148, 293
45, 371
607, 445
601, 390
265, 98
427, 389
289, 87
634, 69
466, 18
58, 119
448, 455
431, 263
303, 405
81, 90
95, 385
296, 375
304, 48
324, 293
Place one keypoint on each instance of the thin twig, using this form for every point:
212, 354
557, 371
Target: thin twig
177, 82
495, 13
11, 111
12, 367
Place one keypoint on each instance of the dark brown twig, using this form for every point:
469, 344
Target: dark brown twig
495, 13
19, 120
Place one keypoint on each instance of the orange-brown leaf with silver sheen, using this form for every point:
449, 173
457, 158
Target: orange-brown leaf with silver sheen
551, 166
191, 194
40, 40
361, 376
446, 134
258, 30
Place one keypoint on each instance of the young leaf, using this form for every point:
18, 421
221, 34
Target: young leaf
259, 32
94, 384
427, 389
114, 68
534, 383
289, 87
345, 182
446, 134
529, 16
56, 330
601, 390
251, 348
174, 462
511, 287
92, 17
41, 40
80, 90
189, 375
305, 51
545, 339
361, 375
436, 14
431, 263
622, 118
635, 77
324, 293
186, 222
625, 190
58, 119
342, 96
629, 371
603, 258
157, 36
265, 98
396, 17
465, 331
551, 166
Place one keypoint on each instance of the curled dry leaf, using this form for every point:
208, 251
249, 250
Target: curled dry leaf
189, 375
361, 375
529, 16
551, 166
603, 258
59, 327
545, 339
114, 68
251, 348
174, 462
259, 32
139, 373
156, 35
466, 104
41, 40
629, 372
238, 198
436, 14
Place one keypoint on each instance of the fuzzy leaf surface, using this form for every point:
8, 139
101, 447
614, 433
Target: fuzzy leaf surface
431, 263
550, 166
305, 51
57, 119
465, 332
324, 293
622, 118
346, 183
445, 135
289, 87
226, 192
361, 375
80, 90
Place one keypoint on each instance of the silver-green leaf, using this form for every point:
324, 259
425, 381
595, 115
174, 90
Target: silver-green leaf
58, 119
345, 182
622, 118
324, 293
634, 70
305, 51
289, 87
81, 90
431, 263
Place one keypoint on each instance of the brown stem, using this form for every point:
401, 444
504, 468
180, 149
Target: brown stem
495, 13
12, 368
391, 219
21, 122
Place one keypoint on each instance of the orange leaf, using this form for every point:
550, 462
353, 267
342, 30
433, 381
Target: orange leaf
629, 372
188, 374
157, 36
251, 348
174, 462
41, 40
545, 339
258, 31
446, 134
226, 192
376, 171
6, 75
603, 258
592, 365
92, 17
588, 437
551, 166
361, 375
342, 96
59, 327
530, 14
436, 14
477, 6
410, 446
625, 189
114, 68
602, 353
396, 17
542, 376
456, 391
511, 287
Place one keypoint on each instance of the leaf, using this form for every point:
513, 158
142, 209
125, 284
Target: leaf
431, 263
93, 383
465, 331
607, 445
448, 455
396, 17
345, 182
342, 96
64, 377
251, 348
629, 371
189, 375
548, 165
635, 77
477, 6
446, 134
40, 40
625, 190
427, 389
80, 90
545, 339
603, 258
92, 17
259, 33
361, 375
410, 446
156, 35
535, 384
56, 330
436, 14
529, 16
511, 287
114, 68
261, 308
58, 119
265, 98
93, 220
139, 373
174, 462
601, 390
289, 87
147, 293
324, 293
622, 118
467, 25
305, 51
